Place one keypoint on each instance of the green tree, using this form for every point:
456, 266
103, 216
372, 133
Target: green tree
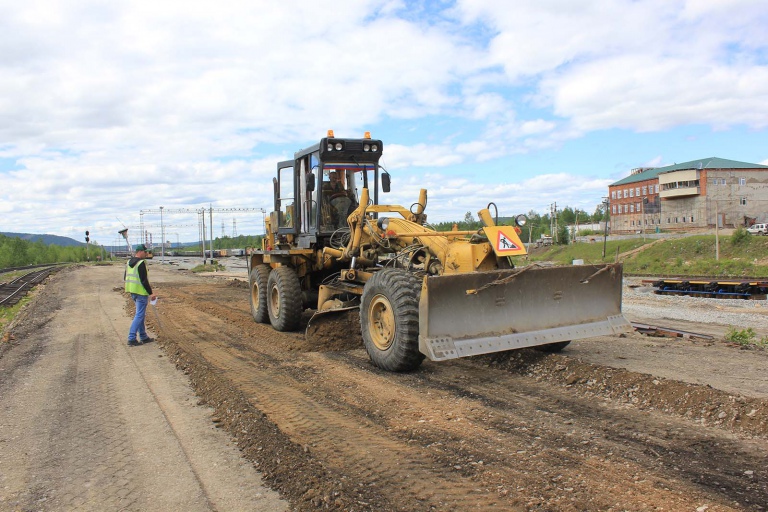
567, 216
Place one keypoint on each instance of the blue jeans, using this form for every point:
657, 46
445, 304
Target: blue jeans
137, 326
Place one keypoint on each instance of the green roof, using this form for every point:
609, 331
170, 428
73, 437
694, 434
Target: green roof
704, 163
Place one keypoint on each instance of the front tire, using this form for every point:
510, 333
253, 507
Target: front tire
284, 299
389, 320
258, 280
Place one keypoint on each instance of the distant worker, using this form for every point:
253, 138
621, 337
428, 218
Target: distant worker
339, 197
137, 284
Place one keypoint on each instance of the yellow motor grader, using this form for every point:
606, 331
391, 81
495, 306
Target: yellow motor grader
332, 246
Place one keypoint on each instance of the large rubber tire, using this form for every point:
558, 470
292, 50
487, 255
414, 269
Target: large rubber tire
258, 283
284, 299
552, 347
389, 320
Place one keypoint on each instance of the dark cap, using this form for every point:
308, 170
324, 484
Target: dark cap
141, 247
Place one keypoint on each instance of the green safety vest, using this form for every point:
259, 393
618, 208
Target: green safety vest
132, 281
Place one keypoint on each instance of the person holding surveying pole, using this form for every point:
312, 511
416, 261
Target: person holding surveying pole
137, 284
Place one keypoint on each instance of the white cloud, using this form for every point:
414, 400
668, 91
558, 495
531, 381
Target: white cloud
635, 65
109, 108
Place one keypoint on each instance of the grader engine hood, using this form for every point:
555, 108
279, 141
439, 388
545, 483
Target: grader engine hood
483, 312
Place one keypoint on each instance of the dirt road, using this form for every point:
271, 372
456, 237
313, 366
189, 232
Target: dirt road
610, 424
87, 423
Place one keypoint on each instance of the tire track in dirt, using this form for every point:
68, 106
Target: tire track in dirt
459, 434
549, 428
341, 439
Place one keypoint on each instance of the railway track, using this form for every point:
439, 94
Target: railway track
13, 291
711, 287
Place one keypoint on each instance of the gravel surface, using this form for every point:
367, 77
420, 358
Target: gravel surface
640, 301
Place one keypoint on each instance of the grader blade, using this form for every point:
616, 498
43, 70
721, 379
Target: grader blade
318, 316
482, 312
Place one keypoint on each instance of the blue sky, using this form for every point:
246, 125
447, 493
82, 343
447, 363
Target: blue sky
110, 108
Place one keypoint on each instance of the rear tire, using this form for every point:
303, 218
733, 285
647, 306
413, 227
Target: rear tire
389, 320
284, 299
552, 347
258, 280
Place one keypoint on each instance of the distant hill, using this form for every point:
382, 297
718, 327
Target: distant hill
47, 239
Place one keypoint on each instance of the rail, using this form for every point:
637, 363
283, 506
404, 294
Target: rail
27, 267
13, 291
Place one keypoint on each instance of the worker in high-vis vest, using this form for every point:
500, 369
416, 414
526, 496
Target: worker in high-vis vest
137, 284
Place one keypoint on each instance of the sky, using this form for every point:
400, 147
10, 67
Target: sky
111, 108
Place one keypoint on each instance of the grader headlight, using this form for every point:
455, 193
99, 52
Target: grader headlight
521, 220
383, 223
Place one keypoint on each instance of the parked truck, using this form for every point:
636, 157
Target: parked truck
333, 245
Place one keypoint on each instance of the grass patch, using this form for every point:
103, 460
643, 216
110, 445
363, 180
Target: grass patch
740, 256
591, 253
7, 314
215, 266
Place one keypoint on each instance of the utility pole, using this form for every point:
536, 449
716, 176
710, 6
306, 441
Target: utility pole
717, 238
605, 224
553, 221
162, 237
210, 223
202, 233
203, 230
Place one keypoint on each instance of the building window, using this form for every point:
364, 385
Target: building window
681, 184
742, 181
722, 181
743, 201
691, 218
668, 221
633, 223
637, 191
645, 190
632, 208
613, 194
631, 192
657, 188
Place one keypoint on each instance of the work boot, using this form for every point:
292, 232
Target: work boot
133, 343
147, 340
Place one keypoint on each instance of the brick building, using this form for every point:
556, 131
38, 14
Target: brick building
690, 195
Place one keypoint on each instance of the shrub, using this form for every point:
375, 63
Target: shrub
740, 237
215, 266
745, 337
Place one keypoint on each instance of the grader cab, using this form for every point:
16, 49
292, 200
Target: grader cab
331, 245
